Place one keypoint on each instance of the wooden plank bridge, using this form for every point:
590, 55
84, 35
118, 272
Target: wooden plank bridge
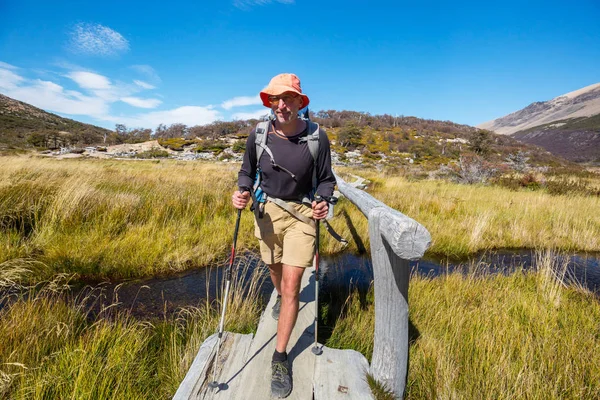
244, 365
243, 369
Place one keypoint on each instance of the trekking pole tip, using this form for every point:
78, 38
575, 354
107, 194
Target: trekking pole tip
317, 351
213, 385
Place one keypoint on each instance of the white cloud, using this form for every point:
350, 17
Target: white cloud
52, 87
90, 80
144, 85
9, 80
7, 66
96, 39
142, 103
246, 4
241, 101
148, 72
258, 114
188, 115
96, 97
50, 96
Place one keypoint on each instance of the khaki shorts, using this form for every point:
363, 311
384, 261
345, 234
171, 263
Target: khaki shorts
284, 238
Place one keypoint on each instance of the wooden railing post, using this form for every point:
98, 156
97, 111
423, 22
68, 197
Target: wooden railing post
395, 239
389, 361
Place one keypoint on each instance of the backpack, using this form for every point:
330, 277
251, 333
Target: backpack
259, 197
312, 138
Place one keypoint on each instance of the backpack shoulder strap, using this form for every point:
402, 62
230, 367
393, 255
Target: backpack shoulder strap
313, 146
260, 140
313, 139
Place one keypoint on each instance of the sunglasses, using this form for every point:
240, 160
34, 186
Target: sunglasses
287, 98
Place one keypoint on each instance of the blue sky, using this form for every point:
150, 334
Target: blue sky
145, 63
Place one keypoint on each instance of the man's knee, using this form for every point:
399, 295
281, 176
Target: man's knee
275, 268
290, 284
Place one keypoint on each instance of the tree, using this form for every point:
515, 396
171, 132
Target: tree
480, 142
518, 161
160, 130
176, 131
471, 170
121, 134
349, 136
37, 139
140, 135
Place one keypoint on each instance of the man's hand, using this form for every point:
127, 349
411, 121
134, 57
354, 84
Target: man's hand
240, 199
319, 210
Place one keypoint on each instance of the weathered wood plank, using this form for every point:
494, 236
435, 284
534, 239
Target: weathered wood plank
232, 358
341, 375
192, 383
406, 237
389, 362
256, 374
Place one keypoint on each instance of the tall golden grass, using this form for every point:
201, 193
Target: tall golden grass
53, 348
519, 336
115, 219
466, 219
118, 219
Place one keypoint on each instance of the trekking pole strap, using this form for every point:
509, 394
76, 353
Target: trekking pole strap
333, 233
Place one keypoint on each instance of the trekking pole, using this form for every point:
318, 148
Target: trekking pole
214, 383
316, 349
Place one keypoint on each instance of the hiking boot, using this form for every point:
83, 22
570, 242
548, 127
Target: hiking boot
281, 379
276, 308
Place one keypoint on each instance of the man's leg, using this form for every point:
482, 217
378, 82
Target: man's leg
275, 271
289, 289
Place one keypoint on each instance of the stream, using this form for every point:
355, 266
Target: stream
161, 297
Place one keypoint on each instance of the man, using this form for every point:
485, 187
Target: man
285, 173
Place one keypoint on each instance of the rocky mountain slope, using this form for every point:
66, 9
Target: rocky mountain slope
357, 138
580, 103
23, 125
568, 125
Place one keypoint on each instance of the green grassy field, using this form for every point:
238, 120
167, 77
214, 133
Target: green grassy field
53, 347
111, 219
124, 219
521, 336
517, 336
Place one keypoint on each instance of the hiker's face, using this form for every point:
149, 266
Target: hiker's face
286, 107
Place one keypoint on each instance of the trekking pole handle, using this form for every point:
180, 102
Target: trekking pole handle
330, 199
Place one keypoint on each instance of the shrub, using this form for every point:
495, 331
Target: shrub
153, 153
214, 146
239, 146
349, 136
175, 144
565, 186
470, 170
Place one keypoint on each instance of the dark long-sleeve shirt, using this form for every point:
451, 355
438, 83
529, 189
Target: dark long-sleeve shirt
293, 155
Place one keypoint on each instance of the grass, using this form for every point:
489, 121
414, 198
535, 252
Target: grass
466, 219
54, 348
521, 336
117, 220
517, 336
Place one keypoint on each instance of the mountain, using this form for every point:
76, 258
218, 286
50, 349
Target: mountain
568, 125
23, 125
356, 137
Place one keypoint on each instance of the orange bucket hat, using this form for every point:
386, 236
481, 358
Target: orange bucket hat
280, 84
